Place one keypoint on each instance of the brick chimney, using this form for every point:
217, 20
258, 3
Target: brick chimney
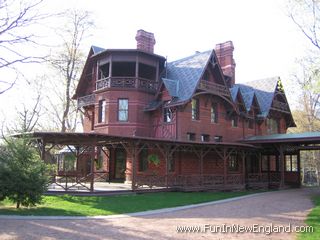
224, 53
145, 41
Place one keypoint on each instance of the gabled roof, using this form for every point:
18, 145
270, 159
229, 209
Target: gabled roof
182, 76
263, 89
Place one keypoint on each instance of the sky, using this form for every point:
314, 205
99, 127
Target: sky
265, 39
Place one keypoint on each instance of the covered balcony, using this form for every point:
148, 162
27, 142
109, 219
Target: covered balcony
214, 88
128, 75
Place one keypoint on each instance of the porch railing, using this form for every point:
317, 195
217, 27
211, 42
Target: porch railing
215, 88
206, 181
127, 82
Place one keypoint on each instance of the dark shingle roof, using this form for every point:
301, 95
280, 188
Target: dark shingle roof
288, 137
187, 73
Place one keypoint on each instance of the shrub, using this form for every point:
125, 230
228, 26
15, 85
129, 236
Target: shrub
23, 175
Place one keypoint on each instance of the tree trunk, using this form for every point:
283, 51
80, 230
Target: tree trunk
18, 204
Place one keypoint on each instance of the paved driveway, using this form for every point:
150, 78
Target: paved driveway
279, 208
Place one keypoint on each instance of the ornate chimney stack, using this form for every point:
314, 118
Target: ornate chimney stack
224, 53
145, 41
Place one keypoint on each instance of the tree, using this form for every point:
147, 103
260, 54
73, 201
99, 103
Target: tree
307, 80
306, 16
68, 62
16, 17
23, 175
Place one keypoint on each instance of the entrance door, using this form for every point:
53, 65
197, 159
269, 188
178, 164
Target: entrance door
120, 164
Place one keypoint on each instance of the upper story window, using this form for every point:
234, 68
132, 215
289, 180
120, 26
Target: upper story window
214, 113
102, 111
205, 138
191, 136
195, 108
272, 126
123, 108
167, 115
234, 121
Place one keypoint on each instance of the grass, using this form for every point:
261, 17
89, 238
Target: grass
67, 205
313, 220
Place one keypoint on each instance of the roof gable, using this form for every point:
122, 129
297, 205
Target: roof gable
186, 73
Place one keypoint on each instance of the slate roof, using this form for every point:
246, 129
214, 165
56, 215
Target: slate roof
263, 89
182, 76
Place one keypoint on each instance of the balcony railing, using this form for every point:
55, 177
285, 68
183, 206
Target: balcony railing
86, 100
280, 106
127, 82
213, 88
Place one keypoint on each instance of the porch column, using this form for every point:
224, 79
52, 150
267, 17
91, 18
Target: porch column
201, 166
299, 168
243, 167
92, 168
134, 163
281, 167
224, 166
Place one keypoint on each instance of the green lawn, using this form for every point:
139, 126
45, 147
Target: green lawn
67, 205
313, 220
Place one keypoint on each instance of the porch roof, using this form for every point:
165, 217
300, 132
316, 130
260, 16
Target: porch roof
99, 139
298, 138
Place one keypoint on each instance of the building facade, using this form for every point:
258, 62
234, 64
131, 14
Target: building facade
194, 101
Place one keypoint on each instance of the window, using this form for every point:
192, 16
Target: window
123, 110
143, 160
171, 163
214, 113
195, 109
233, 163
205, 138
191, 136
102, 111
291, 162
167, 115
234, 121
218, 138
272, 125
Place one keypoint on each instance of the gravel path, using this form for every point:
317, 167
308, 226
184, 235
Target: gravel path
278, 208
